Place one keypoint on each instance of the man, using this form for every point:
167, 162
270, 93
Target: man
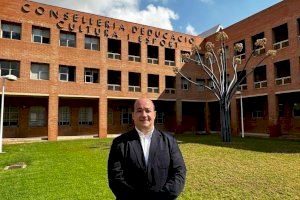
145, 163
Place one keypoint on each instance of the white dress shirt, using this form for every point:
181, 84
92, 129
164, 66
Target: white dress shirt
145, 142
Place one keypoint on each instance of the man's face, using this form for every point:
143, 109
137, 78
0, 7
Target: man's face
144, 114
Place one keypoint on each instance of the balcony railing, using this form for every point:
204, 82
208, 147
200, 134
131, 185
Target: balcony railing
259, 51
134, 58
241, 56
116, 56
153, 89
260, 84
153, 60
170, 90
133, 88
114, 87
281, 44
242, 87
170, 62
283, 80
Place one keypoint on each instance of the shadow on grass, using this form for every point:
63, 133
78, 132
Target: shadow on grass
268, 145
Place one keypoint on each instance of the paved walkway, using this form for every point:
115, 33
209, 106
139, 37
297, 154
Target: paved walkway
44, 139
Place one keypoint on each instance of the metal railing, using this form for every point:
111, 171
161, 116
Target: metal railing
114, 87
134, 58
259, 51
170, 62
241, 56
116, 56
152, 60
170, 90
281, 44
242, 87
133, 88
260, 84
283, 80
153, 89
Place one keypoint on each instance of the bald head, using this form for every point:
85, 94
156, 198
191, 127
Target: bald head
144, 114
144, 100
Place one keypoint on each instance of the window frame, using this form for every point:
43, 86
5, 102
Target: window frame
40, 115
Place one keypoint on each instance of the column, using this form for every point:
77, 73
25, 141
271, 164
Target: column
234, 117
207, 118
178, 116
102, 117
53, 117
273, 126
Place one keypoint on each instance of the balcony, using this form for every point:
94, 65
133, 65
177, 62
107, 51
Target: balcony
259, 51
115, 56
152, 61
241, 56
114, 87
260, 84
170, 62
133, 88
170, 91
134, 58
153, 89
281, 44
283, 80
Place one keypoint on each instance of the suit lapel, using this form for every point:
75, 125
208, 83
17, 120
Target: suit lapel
137, 148
153, 147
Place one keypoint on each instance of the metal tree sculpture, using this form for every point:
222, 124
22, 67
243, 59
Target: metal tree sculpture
216, 68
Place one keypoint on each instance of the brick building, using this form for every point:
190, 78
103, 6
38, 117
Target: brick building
80, 73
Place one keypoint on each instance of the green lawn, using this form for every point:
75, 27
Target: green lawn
249, 168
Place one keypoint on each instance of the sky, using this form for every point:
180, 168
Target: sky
185, 16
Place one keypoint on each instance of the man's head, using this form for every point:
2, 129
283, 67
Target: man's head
144, 114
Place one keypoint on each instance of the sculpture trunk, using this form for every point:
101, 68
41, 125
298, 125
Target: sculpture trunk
225, 121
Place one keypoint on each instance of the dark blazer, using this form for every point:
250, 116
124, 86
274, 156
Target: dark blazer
129, 177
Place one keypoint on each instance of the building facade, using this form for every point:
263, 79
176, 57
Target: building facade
80, 73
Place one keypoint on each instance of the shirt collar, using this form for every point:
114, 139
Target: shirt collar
148, 135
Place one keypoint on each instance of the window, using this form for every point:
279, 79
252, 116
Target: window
160, 117
67, 73
67, 39
169, 57
296, 110
126, 116
153, 83
201, 83
281, 110
185, 84
11, 30
114, 80
134, 51
114, 49
39, 71
86, 116
182, 53
110, 116
91, 75
41, 35
11, 116
210, 83
64, 115
134, 82
37, 116
257, 114
242, 54
9, 67
92, 43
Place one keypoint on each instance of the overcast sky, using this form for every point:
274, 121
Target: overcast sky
187, 16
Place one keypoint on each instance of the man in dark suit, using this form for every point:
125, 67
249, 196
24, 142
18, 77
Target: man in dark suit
145, 163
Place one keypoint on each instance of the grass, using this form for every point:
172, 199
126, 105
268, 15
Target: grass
249, 168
